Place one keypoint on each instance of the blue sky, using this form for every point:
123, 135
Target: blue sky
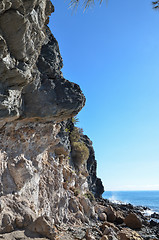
112, 52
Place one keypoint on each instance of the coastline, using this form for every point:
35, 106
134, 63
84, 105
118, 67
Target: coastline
148, 218
145, 198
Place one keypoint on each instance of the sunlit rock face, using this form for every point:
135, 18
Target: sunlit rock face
31, 83
43, 191
31, 170
39, 182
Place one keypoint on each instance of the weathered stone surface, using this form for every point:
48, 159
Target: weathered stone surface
56, 99
128, 234
119, 217
43, 227
106, 230
31, 83
102, 216
21, 235
34, 166
40, 186
88, 207
133, 221
73, 205
107, 225
111, 214
95, 184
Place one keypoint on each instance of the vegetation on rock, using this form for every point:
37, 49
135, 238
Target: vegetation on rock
80, 152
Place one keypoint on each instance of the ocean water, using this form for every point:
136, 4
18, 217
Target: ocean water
149, 199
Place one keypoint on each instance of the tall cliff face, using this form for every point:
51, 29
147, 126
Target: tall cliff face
47, 165
30, 66
39, 180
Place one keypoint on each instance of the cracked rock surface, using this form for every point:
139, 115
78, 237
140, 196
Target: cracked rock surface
44, 193
31, 82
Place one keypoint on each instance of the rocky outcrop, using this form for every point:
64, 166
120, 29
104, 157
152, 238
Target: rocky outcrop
31, 83
95, 184
40, 185
48, 183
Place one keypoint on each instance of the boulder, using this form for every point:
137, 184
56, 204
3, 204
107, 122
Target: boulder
43, 227
111, 214
7, 223
102, 216
110, 225
128, 234
133, 221
119, 217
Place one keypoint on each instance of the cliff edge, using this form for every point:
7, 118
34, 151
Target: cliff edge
48, 183
40, 179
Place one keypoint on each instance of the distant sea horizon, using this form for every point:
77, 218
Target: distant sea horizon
149, 198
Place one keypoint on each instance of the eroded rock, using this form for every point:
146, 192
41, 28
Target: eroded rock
127, 234
31, 82
133, 221
111, 214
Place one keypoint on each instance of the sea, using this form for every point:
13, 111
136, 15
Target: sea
148, 199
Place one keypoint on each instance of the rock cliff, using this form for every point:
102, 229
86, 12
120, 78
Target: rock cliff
32, 85
48, 183
39, 178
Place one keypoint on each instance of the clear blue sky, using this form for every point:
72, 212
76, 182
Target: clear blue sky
112, 52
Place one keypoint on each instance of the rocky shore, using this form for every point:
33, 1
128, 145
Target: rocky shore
48, 183
100, 219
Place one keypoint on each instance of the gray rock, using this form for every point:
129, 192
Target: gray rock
31, 82
95, 183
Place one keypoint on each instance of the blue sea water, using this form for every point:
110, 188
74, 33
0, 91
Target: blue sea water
149, 199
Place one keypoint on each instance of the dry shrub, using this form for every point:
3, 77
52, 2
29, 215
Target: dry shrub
75, 135
80, 153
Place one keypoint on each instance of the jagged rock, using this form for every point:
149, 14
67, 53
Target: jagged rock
88, 207
99, 209
95, 184
36, 168
155, 215
43, 227
106, 224
111, 214
7, 223
119, 217
133, 221
30, 64
128, 234
22, 33
40, 186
